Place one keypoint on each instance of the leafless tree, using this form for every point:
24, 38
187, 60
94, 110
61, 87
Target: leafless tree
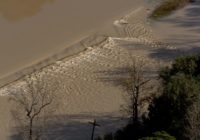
138, 87
33, 104
193, 122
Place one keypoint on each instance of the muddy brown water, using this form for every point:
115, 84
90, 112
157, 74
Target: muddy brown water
32, 30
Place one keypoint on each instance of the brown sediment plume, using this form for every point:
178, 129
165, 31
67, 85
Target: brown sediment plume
14, 10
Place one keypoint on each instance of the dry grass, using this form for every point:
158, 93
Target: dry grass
167, 7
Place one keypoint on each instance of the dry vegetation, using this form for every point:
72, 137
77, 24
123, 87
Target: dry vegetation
167, 7
33, 107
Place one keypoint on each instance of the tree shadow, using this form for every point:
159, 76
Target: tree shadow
163, 54
194, 11
118, 76
169, 55
188, 21
190, 17
186, 42
77, 127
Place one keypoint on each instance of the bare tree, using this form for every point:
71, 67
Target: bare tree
34, 101
193, 122
138, 87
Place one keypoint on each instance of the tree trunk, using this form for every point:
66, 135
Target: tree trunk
31, 129
135, 112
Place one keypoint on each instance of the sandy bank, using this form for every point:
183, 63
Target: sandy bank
88, 80
181, 29
34, 31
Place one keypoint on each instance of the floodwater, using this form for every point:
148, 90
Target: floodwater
31, 30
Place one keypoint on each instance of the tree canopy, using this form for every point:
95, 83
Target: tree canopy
180, 90
162, 135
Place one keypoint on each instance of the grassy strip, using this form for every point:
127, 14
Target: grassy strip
167, 7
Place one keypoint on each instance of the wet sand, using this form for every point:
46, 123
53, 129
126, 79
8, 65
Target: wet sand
88, 79
86, 93
32, 31
181, 30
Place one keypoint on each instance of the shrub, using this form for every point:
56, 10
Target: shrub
167, 7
